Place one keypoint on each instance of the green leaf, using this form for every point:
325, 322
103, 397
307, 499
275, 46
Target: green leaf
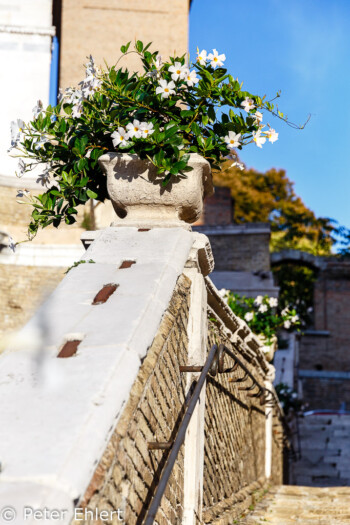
211, 113
112, 75
139, 46
185, 113
124, 49
91, 194
195, 128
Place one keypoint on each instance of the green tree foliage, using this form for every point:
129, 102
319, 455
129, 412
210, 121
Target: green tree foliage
296, 289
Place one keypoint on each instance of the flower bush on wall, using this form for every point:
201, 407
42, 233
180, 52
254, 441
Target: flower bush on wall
288, 399
261, 314
163, 114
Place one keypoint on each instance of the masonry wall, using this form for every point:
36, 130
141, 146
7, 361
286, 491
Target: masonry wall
128, 472
325, 351
100, 28
239, 247
234, 455
234, 461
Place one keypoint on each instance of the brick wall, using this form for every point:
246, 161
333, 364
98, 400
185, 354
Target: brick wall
328, 353
100, 28
218, 208
22, 288
234, 454
325, 393
234, 462
239, 248
128, 472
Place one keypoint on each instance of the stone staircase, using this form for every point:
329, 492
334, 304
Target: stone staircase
325, 452
320, 490
289, 504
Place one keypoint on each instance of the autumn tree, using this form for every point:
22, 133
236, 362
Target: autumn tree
270, 197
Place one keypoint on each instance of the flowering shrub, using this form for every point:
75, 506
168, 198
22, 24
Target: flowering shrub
261, 314
163, 114
288, 398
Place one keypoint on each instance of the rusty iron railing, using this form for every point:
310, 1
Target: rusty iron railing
214, 364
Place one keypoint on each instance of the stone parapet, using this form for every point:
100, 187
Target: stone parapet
99, 366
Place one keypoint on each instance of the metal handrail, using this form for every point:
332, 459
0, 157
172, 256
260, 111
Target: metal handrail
213, 364
179, 438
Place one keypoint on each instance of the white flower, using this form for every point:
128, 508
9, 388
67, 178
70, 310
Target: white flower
287, 324
294, 319
178, 71
273, 302
248, 316
165, 88
11, 244
272, 135
153, 74
22, 193
232, 139
90, 67
75, 96
158, 62
248, 104
61, 95
77, 110
258, 116
21, 168
191, 77
44, 178
223, 292
88, 89
215, 59
285, 311
259, 139
202, 57
263, 308
147, 129
134, 129
38, 109
17, 127
40, 141
238, 165
120, 137
258, 300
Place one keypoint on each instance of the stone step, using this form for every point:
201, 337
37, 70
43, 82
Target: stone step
302, 505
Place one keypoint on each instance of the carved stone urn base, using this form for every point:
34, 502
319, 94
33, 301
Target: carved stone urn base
140, 200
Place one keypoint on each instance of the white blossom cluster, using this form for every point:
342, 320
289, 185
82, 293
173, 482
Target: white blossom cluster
135, 129
88, 88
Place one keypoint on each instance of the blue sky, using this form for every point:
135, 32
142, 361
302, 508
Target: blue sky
301, 47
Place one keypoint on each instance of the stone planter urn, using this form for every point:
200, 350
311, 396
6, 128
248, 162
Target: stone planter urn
138, 198
268, 349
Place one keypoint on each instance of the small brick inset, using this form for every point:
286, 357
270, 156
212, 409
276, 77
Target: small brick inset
69, 348
104, 294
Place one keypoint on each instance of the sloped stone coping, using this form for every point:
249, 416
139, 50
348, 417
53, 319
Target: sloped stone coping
237, 330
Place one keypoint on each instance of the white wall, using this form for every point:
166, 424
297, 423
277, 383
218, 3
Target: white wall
25, 55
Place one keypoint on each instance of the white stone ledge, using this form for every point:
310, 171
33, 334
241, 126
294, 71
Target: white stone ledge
42, 255
58, 414
234, 229
28, 30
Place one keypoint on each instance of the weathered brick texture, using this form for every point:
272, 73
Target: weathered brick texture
100, 28
234, 456
128, 473
234, 465
322, 352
